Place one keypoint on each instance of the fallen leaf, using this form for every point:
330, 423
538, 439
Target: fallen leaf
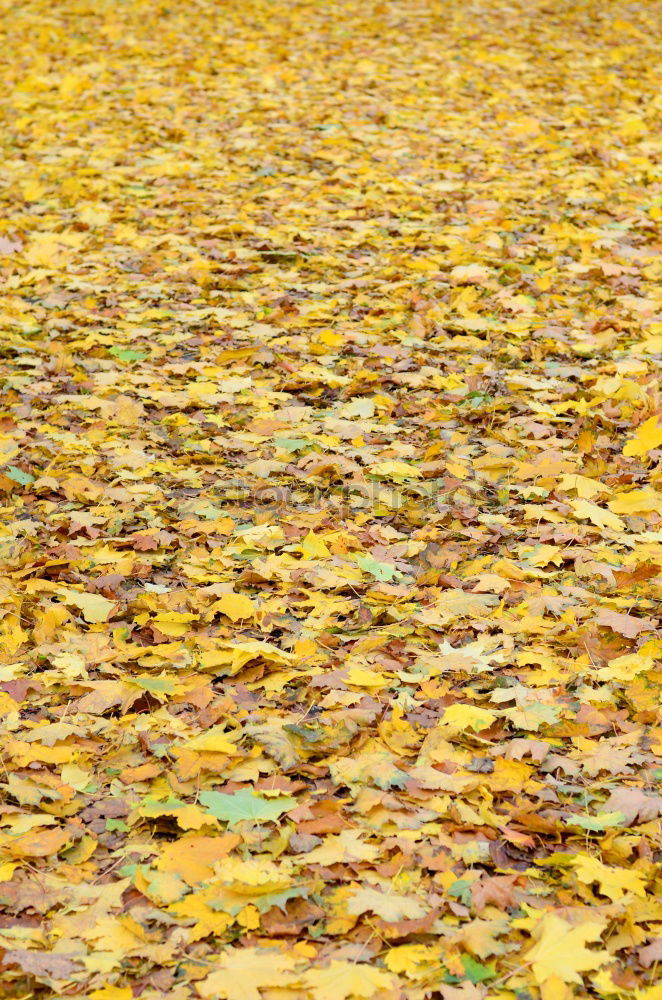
612, 882
37, 963
236, 807
95, 607
341, 980
647, 438
628, 625
243, 972
560, 950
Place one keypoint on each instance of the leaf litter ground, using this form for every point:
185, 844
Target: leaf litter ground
331, 540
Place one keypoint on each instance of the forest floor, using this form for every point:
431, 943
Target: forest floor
331, 544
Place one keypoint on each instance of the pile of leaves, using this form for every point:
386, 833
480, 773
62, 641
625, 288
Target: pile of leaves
331, 543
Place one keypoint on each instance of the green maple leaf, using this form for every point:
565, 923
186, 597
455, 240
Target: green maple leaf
126, 354
380, 570
266, 900
475, 971
292, 444
24, 478
245, 804
597, 823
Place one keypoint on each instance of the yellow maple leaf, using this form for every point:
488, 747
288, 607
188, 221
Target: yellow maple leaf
12, 636
584, 487
511, 774
652, 993
236, 607
95, 607
33, 190
233, 656
469, 274
121, 934
314, 547
642, 501
347, 979
7, 869
647, 438
585, 510
45, 250
207, 920
243, 972
613, 882
626, 667
395, 470
455, 603
560, 950
194, 857
214, 740
389, 906
358, 677
555, 989
112, 993
38, 843
460, 717
188, 815
345, 846
174, 624
414, 960
161, 887
253, 877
